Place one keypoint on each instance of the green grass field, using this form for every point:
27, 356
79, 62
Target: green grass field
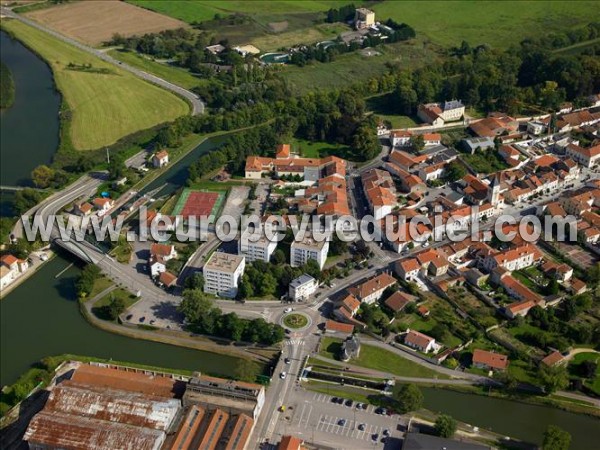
354, 67
499, 23
106, 103
593, 384
379, 359
175, 75
201, 10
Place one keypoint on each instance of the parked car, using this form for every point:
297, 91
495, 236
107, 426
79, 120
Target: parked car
282, 375
287, 360
342, 422
349, 403
288, 310
361, 427
334, 399
375, 436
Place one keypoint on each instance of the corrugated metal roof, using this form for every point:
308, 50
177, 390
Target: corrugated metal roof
59, 430
113, 405
126, 380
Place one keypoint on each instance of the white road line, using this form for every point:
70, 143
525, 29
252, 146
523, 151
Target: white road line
308, 416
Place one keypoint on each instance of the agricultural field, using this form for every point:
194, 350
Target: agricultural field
105, 102
499, 24
97, 22
201, 10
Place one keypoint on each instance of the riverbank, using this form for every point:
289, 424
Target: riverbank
35, 265
173, 337
7, 87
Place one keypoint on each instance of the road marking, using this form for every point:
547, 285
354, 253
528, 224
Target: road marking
294, 342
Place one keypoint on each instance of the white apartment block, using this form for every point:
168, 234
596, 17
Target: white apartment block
222, 273
256, 250
514, 259
302, 288
308, 248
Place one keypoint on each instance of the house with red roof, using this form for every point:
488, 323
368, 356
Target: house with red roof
421, 342
483, 359
160, 159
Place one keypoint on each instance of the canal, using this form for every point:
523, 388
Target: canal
41, 318
519, 420
29, 129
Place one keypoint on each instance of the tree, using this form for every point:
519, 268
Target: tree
409, 397
245, 288
196, 281
268, 285
42, 176
556, 438
85, 281
445, 426
26, 199
552, 287
246, 370
455, 171
116, 166
417, 142
232, 326
115, 308
195, 305
278, 257
553, 378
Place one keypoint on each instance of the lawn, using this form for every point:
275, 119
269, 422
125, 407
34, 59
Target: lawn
319, 149
384, 106
353, 67
499, 24
126, 296
379, 359
486, 162
593, 384
105, 102
311, 35
175, 75
295, 321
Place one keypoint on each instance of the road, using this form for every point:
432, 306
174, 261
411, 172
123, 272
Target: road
193, 99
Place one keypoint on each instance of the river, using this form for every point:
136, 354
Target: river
519, 420
29, 129
41, 318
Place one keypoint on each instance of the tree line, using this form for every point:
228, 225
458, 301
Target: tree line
203, 317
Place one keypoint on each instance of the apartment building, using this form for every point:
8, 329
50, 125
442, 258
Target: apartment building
308, 248
222, 273
514, 259
302, 288
254, 249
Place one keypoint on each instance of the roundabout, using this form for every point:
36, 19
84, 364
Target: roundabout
296, 321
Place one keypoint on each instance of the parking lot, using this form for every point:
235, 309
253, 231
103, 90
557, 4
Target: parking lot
318, 419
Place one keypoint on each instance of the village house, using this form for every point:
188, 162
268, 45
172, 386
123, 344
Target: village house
513, 259
160, 159
408, 269
379, 189
83, 209
363, 18
587, 157
103, 204
474, 144
347, 309
11, 268
331, 326
494, 125
485, 360
398, 301
167, 279
553, 359
165, 251
371, 290
420, 342
156, 265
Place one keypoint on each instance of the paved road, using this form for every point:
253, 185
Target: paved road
193, 99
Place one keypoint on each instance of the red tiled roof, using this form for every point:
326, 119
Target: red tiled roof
398, 300
382, 281
9, 260
290, 443
167, 278
332, 325
418, 339
490, 359
552, 359
161, 250
283, 151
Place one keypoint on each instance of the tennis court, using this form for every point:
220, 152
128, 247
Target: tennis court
199, 203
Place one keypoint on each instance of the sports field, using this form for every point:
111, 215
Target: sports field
105, 102
199, 203
97, 22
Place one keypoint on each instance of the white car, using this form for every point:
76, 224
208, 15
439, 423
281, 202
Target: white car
288, 310
282, 375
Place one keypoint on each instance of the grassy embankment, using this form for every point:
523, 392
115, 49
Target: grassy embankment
7, 87
379, 359
104, 103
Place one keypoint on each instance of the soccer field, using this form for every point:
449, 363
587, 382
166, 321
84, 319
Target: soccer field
106, 103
